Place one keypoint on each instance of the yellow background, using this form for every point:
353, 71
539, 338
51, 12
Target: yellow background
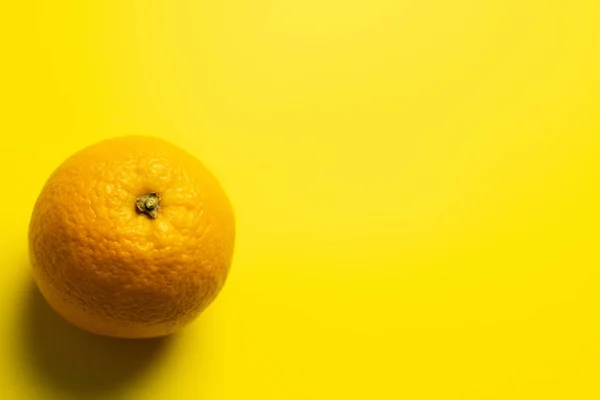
416, 185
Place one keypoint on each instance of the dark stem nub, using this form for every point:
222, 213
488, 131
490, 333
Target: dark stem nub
148, 204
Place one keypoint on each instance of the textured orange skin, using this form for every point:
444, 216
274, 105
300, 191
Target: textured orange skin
113, 271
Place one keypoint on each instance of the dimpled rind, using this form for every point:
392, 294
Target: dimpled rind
114, 271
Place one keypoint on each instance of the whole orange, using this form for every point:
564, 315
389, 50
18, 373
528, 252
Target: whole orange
132, 237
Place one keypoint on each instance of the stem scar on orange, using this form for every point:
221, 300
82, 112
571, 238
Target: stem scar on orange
132, 237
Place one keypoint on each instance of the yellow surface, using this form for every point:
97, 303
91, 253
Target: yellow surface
416, 185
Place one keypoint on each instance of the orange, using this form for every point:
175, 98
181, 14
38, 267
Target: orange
132, 237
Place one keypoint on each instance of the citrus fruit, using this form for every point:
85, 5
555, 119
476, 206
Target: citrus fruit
132, 237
